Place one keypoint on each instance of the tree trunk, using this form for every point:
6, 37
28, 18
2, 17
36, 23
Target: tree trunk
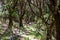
57, 22
20, 22
10, 22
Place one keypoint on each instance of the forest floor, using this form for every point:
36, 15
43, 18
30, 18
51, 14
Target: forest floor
28, 32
